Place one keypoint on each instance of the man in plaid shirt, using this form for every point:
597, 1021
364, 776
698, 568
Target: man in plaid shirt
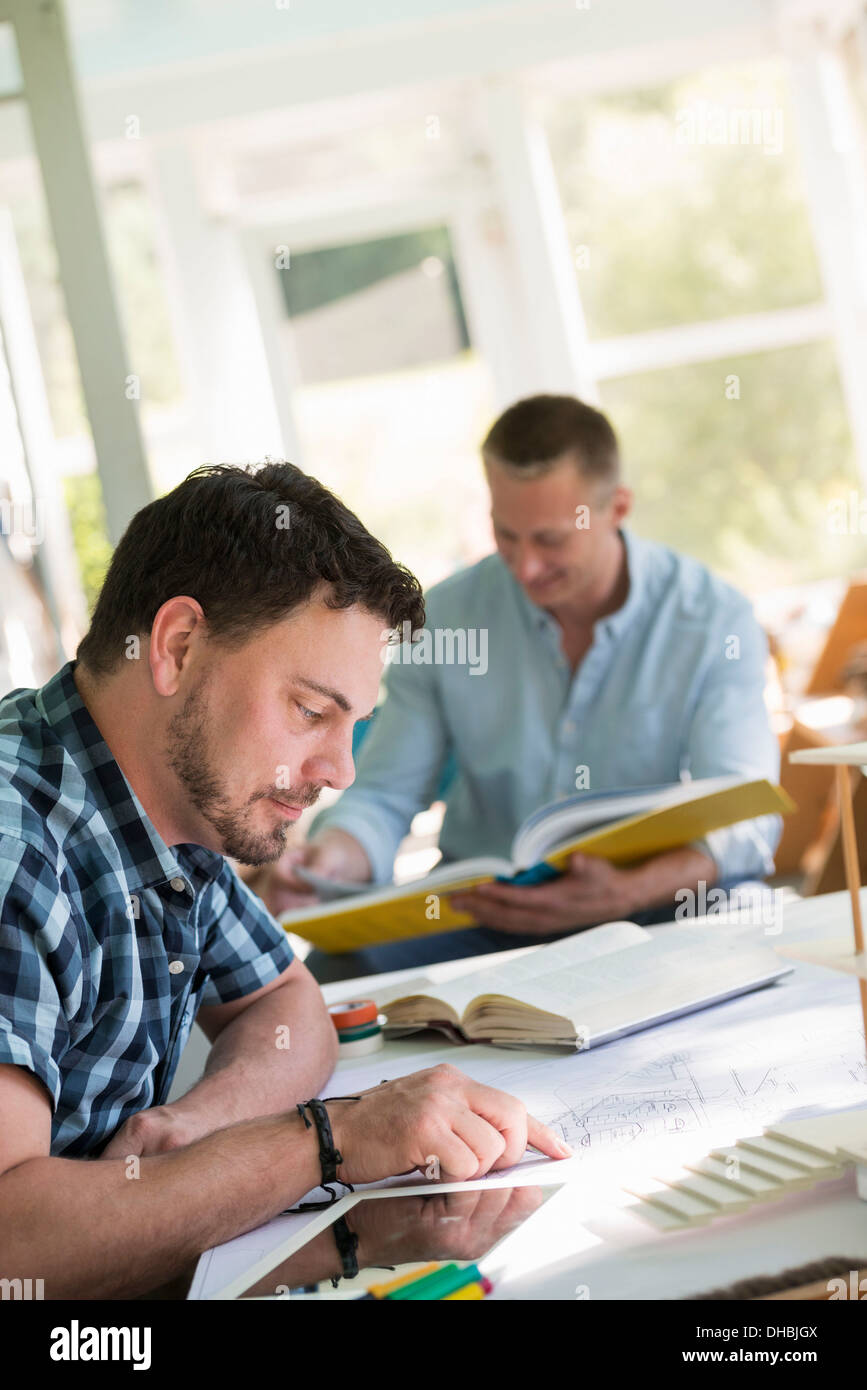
236, 641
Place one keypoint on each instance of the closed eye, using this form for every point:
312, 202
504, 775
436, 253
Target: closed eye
311, 714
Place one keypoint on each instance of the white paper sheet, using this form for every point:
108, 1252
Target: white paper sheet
678, 1089
218, 1266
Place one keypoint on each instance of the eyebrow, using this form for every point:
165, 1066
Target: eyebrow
330, 694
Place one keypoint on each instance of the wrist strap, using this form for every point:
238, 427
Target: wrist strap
329, 1156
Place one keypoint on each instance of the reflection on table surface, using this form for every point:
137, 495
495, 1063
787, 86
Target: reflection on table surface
397, 1234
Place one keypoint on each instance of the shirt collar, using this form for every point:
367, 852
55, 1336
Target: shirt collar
637, 565
637, 561
146, 857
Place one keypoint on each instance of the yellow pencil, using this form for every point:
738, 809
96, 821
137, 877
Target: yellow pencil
380, 1290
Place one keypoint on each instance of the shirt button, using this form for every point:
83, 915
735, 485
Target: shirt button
175, 967
179, 885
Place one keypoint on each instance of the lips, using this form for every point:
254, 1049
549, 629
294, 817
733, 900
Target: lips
293, 812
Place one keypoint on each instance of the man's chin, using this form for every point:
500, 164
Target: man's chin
546, 593
258, 852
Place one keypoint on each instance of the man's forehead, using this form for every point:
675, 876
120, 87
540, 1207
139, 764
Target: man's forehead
317, 615
541, 492
328, 646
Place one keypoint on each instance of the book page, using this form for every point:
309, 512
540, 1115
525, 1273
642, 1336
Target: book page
562, 821
516, 976
677, 823
678, 968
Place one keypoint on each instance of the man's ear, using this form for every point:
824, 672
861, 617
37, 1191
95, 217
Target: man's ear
177, 627
621, 503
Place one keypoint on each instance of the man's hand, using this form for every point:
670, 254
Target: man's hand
155, 1131
437, 1116
591, 891
333, 854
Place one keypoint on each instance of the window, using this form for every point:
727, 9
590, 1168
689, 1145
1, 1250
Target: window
391, 402
709, 335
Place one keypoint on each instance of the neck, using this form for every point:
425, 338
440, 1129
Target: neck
605, 595
121, 712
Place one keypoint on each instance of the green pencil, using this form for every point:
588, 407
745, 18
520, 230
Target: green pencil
436, 1286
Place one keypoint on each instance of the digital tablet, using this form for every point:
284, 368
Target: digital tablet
467, 1236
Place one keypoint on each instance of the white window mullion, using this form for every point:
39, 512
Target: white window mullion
717, 339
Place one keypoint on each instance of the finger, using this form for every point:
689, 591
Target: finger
462, 902
563, 902
283, 869
540, 1137
562, 916
535, 923
122, 1146
458, 1161
516, 1147
326, 859
291, 883
508, 1113
284, 900
512, 1124
286, 876
484, 1139
510, 895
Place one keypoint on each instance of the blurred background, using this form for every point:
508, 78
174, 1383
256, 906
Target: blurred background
349, 232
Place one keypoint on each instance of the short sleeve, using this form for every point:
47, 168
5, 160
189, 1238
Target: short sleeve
36, 955
245, 948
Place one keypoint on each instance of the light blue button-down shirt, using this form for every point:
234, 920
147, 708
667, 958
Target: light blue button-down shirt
672, 686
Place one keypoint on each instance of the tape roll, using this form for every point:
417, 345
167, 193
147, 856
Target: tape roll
353, 1014
363, 1031
362, 1046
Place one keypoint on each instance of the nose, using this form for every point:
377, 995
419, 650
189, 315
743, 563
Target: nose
527, 565
333, 765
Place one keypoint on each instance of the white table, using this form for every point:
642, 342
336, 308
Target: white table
610, 1253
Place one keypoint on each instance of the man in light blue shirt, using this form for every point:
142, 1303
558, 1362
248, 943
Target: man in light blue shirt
579, 656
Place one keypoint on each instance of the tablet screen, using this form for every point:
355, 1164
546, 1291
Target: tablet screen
400, 1236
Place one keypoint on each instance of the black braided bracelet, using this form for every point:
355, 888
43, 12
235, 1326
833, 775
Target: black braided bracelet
329, 1156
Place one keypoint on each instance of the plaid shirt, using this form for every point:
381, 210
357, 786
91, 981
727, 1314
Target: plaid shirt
109, 940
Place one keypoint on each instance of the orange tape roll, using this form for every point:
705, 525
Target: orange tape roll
353, 1013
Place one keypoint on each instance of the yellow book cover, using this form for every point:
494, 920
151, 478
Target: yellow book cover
681, 814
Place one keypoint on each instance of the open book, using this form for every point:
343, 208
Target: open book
622, 827
589, 988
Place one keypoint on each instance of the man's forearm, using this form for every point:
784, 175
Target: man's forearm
655, 883
279, 1051
111, 1228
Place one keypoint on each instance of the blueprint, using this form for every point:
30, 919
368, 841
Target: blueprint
793, 1049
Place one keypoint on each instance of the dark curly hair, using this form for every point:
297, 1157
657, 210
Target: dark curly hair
250, 544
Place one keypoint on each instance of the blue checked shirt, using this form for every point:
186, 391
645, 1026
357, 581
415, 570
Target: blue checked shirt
672, 685
109, 940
